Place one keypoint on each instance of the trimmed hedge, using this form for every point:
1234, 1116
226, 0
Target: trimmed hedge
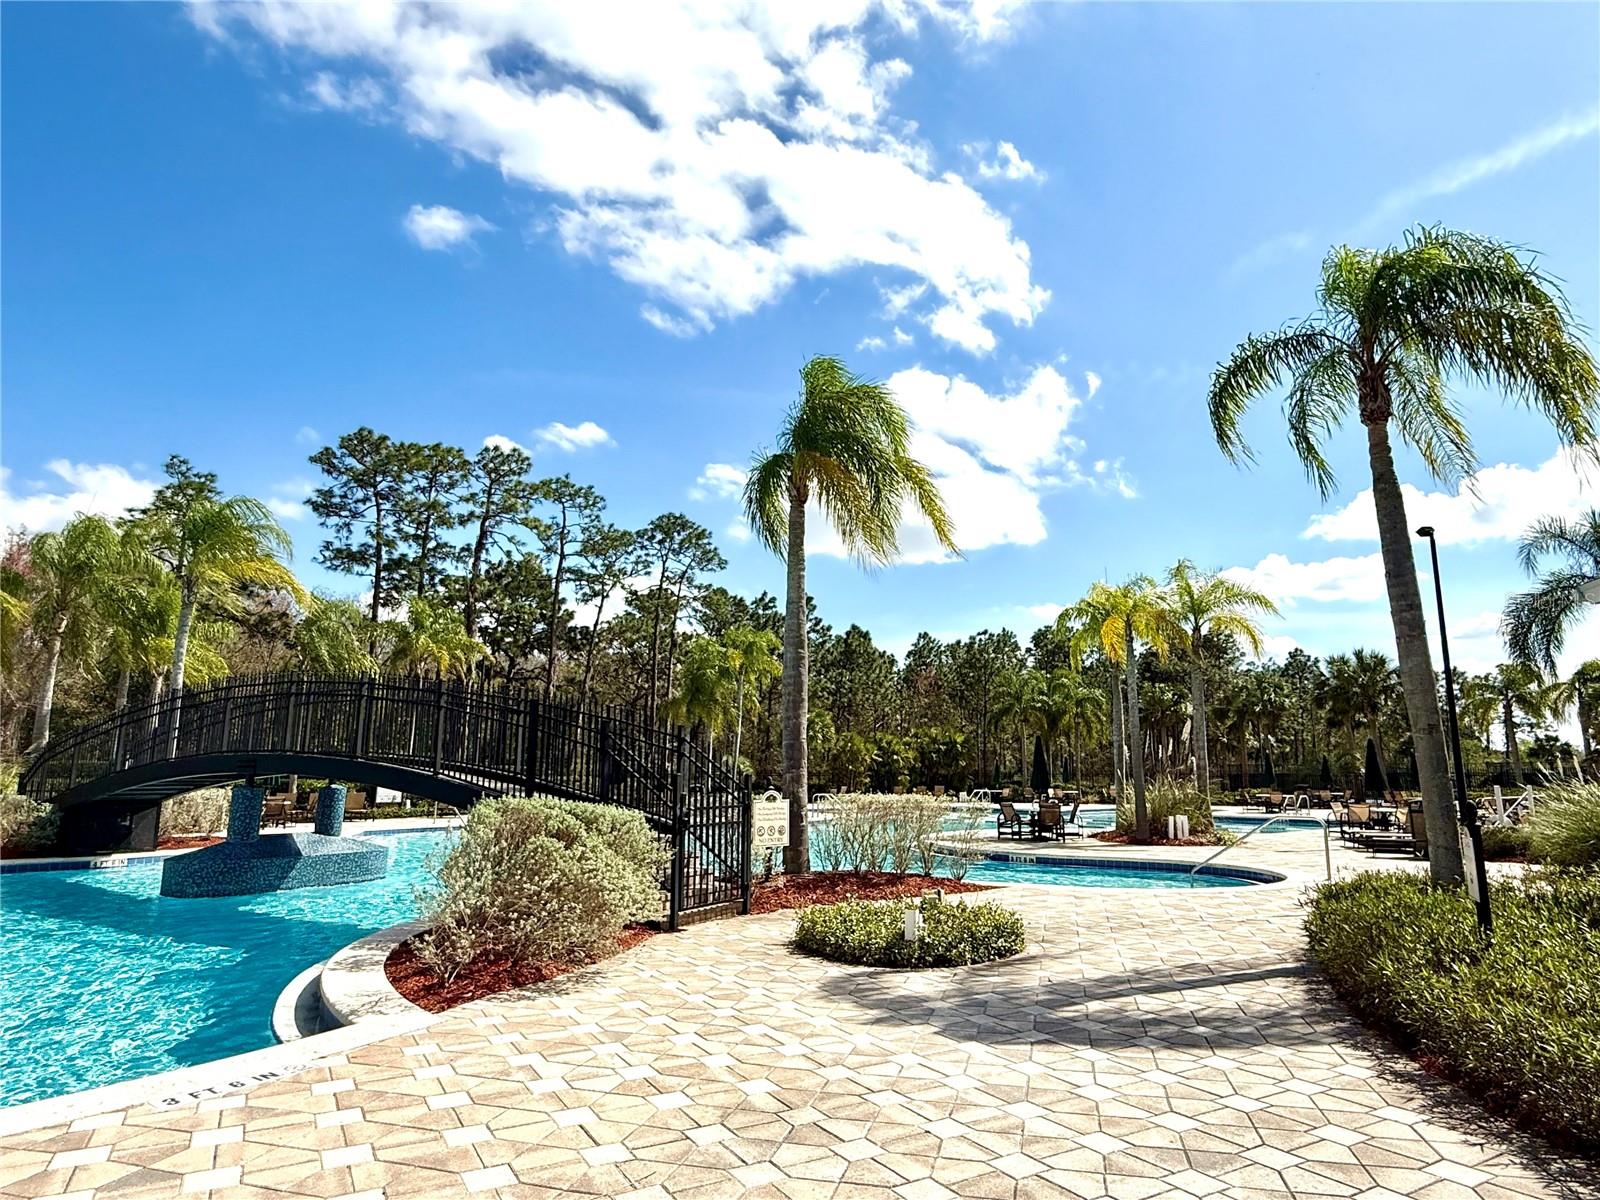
872, 933
1516, 1022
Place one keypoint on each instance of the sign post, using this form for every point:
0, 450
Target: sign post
770, 821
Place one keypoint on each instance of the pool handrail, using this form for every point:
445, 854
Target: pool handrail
1246, 836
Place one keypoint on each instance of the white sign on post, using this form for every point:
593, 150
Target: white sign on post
771, 820
1469, 865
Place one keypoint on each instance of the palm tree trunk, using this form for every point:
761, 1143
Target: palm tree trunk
1416, 665
180, 647
796, 665
1116, 733
738, 720
124, 682
1513, 751
47, 687
1141, 814
1197, 727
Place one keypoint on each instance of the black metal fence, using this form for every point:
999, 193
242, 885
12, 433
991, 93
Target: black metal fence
489, 738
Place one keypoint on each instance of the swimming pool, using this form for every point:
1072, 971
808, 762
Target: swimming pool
1106, 874
102, 979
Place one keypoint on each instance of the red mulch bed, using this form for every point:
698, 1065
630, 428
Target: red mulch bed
483, 976
826, 887
166, 843
1125, 839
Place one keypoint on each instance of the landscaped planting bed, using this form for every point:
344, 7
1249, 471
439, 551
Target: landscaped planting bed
1515, 1021
872, 933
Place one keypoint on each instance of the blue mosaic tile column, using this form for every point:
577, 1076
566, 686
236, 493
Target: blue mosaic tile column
244, 812
330, 810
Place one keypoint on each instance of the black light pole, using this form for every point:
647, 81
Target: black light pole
1465, 808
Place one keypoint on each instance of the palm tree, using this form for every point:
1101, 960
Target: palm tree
1535, 624
215, 547
1393, 325
1117, 619
1015, 699
68, 569
331, 638
1509, 691
1065, 704
846, 442
1582, 691
1206, 603
137, 612
430, 638
753, 657
703, 698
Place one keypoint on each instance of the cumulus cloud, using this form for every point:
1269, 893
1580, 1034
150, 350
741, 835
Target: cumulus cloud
711, 156
1499, 504
307, 436
586, 435
871, 342
438, 227
88, 489
503, 442
719, 481
288, 499
1358, 579
1007, 163
358, 95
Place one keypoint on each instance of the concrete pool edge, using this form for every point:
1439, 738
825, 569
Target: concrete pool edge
354, 986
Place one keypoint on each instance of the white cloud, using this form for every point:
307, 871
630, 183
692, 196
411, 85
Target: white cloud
503, 442
1007, 163
872, 342
586, 435
719, 481
1452, 178
307, 436
1508, 499
1358, 579
1044, 612
1268, 252
289, 510
683, 327
438, 227
710, 155
1093, 380
901, 337
358, 95
1277, 645
288, 499
88, 489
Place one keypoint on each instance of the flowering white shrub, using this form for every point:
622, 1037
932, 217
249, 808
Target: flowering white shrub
27, 824
876, 831
534, 879
199, 812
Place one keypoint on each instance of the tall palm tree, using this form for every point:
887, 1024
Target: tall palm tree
332, 636
1208, 603
137, 608
1066, 705
1509, 691
215, 547
703, 698
847, 443
68, 570
1014, 700
1535, 623
1582, 691
1117, 619
1392, 326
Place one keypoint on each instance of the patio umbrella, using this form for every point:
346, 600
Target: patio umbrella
1039, 779
1373, 778
1327, 772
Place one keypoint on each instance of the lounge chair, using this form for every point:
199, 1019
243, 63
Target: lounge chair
1324, 799
275, 812
1274, 802
355, 805
1357, 817
1047, 821
1413, 841
1071, 828
1009, 820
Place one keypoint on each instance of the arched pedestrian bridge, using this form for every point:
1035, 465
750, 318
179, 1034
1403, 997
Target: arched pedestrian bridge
445, 740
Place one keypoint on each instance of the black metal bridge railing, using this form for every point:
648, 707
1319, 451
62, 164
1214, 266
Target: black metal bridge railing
479, 739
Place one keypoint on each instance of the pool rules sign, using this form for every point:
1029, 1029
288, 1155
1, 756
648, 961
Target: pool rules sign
770, 818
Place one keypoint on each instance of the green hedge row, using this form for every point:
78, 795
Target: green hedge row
1516, 1022
872, 933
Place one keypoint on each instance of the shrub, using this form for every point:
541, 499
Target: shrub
871, 933
1506, 842
531, 880
1565, 826
199, 812
878, 831
1164, 799
26, 824
1517, 1021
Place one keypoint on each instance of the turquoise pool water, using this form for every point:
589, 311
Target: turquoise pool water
102, 979
1083, 875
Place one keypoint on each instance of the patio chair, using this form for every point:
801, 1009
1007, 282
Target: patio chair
1414, 840
1273, 802
355, 805
1009, 821
275, 812
1324, 799
1356, 818
1027, 794
1047, 821
1070, 827
938, 789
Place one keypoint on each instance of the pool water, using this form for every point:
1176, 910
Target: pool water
1083, 875
102, 979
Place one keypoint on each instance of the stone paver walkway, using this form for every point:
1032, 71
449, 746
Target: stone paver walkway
1149, 1044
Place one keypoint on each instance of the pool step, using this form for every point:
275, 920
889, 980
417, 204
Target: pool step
298, 1012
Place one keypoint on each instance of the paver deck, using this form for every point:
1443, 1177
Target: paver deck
1149, 1044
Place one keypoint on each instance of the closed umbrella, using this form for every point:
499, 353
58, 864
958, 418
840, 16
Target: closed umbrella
1039, 779
1327, 772
1267, 770
1376, 784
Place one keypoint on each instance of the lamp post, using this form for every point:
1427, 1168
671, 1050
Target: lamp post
1466, 810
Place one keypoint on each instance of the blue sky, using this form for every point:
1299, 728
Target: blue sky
235, 235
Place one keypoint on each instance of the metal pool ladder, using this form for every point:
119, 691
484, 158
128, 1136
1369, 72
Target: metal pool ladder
1327, 853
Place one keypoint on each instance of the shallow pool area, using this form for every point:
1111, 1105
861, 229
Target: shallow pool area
102, 979
1105, 873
